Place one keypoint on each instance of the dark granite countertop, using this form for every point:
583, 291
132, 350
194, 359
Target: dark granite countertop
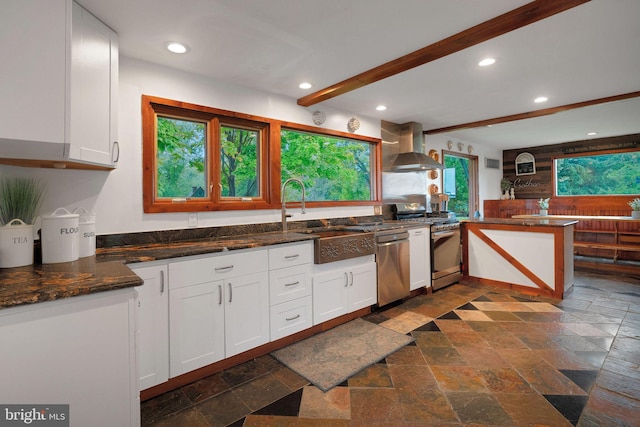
159, 251
107, 270
47, 282
534, 222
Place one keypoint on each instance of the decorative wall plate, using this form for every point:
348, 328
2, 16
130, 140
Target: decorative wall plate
434, 155
318, 117
433, 174
433, 189
353, 125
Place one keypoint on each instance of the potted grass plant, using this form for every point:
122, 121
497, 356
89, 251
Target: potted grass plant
635, 208
20, 200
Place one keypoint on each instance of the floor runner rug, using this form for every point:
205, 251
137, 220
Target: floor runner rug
329, 358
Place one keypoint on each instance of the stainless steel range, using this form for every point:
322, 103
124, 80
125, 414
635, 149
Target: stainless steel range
445, 240
445, 254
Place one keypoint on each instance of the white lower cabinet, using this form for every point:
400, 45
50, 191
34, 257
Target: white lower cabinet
152, 337
342, 287
290, 289
197, 327
419, 258
218, 307
77, 351
246, 312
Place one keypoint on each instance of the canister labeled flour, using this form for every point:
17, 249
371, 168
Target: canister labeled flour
60, 239
87, 232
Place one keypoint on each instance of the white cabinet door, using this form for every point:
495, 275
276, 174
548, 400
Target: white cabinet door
330, 295
362, 286
419, 259
196, 327
61, 102
94, 78
152, 339
78, 351
246, 312
290, 317
32, 93
287, 284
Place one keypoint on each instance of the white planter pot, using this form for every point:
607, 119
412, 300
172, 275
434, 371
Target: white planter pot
544, 212
635, 214
16, 244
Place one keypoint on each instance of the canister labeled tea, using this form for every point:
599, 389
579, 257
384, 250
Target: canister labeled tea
60, 239
16, 244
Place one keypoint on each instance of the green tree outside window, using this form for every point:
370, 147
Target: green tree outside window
332, 168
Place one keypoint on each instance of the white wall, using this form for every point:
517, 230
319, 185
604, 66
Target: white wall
489, 179
116, 196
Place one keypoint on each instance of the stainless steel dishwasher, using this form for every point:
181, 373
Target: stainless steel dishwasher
392, 259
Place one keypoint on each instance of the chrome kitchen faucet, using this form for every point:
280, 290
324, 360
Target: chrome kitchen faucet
284, 203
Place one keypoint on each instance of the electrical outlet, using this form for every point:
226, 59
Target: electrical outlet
377, 210
193, 219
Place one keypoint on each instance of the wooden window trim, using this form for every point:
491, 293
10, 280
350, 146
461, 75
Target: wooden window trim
586, 197
269, 155
376, 165
474, 177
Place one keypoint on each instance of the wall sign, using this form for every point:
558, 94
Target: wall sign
525, 164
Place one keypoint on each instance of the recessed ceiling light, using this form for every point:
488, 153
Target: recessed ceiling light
305, 85
540, 99
486, 62
176, 47
381, 107
592, 133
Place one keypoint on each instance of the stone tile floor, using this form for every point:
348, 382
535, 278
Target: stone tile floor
481, 356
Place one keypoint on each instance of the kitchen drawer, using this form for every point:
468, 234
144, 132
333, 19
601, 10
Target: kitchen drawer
216, 267
291, 317
282, 256
290, 283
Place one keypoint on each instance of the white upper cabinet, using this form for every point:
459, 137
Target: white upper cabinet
58, 88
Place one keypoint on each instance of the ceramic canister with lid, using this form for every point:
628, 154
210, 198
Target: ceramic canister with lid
60, 240
16, 244
87, 232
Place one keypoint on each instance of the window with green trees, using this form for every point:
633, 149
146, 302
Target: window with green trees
197, 158
598, 174
332, 168
465, 201
239, 161
180, 157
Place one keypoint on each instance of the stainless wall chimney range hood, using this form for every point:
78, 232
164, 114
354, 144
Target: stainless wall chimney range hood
403, 148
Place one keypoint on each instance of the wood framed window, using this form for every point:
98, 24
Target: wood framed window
198, 158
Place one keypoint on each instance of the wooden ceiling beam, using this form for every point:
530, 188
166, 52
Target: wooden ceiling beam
517, 18
532, 114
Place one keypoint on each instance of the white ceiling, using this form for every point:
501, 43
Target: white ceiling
589, 52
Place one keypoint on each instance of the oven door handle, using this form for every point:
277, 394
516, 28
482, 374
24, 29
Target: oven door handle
442, 234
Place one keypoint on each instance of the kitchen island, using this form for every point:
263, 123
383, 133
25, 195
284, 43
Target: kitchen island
531, 255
